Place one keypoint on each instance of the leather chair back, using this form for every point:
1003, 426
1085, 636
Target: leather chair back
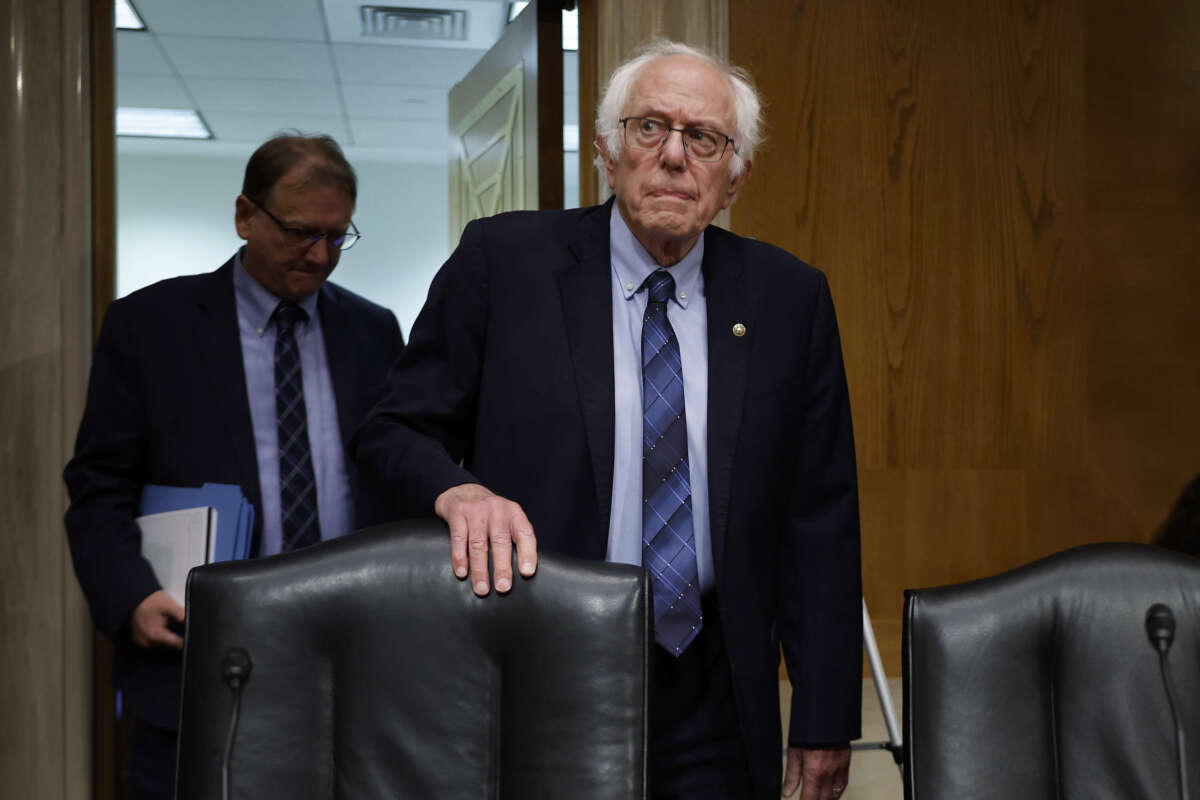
377, 674
1041, 684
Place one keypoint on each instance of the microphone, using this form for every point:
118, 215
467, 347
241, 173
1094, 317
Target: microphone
1160, 628
235, 670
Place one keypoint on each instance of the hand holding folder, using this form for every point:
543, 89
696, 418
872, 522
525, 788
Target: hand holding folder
185, 527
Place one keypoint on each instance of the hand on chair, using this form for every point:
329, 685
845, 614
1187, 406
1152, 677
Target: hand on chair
480, 521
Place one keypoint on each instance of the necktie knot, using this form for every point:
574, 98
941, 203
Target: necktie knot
660, 284
287, 314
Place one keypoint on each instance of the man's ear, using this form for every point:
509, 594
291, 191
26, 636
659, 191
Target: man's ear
609, 165
243, 210
736, 182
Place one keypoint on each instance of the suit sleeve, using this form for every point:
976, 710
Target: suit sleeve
821, 582
105, 479
413, 440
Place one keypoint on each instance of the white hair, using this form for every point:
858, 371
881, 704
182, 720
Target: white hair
747, 105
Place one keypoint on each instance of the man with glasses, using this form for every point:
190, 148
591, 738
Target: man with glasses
253, 375
628, 382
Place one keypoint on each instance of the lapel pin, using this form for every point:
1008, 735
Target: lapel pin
739, 329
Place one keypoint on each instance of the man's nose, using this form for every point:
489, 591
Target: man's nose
672, 153
320, 252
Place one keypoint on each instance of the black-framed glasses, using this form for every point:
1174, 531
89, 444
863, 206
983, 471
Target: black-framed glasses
702, 144
307, 237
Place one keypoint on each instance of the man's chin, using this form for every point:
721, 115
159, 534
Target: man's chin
304, 285
671, 225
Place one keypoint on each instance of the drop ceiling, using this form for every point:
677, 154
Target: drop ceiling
254, 67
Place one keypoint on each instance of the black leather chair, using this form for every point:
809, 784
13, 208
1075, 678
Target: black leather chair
1041, 684
377, 674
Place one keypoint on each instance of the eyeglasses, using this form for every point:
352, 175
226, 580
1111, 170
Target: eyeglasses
307, 237
702, 144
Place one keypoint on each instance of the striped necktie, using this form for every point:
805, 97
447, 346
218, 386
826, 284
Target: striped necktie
297, 484
668, 543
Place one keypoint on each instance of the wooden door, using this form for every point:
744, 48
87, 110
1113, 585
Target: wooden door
506, 119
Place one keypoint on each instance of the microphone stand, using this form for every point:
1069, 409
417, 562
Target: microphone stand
235, 669
1160, 627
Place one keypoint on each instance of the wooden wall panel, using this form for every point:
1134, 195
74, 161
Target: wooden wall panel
1004, 196
45, 338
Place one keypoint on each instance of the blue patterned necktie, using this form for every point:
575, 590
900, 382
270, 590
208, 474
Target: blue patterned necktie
297, 485
668, 543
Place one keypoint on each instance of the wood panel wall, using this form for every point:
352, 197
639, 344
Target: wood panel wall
45, 342
1006, 199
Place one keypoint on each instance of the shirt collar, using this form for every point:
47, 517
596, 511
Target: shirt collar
631, 262
256, 301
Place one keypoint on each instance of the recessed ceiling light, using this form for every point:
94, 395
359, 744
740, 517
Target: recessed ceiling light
173, 123
127, 17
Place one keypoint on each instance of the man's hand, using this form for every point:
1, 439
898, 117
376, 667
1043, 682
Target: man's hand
148, 623
479, 519
823, 772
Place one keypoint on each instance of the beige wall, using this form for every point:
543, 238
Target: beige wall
1006, 200
45, 339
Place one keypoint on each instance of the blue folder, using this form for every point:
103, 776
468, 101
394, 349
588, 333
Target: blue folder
235, 514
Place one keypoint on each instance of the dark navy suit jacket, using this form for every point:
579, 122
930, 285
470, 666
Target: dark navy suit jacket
167, 404
509, 368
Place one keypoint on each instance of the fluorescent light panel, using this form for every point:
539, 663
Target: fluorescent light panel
172, 123
570, 26
127, 18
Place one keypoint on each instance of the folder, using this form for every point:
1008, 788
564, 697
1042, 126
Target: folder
233, 514
174, 542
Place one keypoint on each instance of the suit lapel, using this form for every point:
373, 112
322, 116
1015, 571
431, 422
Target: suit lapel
728, 302
586, 292
220, 351
337, 335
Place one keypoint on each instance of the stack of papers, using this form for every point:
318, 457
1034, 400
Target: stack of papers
184, 527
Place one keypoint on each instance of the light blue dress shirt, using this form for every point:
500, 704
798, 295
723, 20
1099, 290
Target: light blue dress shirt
256, 329
688, 315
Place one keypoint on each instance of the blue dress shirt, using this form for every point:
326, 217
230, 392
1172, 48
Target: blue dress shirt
256, 329
688, 315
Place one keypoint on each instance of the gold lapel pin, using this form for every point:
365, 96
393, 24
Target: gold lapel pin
739, 329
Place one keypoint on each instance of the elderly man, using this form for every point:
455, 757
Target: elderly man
630, 383
251, 375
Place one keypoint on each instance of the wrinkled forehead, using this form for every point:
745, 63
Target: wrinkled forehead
684, 88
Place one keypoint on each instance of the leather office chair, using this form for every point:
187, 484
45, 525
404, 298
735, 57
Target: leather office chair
1040, 683
377, 674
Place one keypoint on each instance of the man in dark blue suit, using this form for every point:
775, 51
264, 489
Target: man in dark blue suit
254, 375
634, 384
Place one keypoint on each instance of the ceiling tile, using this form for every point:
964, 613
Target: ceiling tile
146, 91
209, 57
263, 96
137, 54
407, 134
260, 127
259, 19
415, 66
395, 102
